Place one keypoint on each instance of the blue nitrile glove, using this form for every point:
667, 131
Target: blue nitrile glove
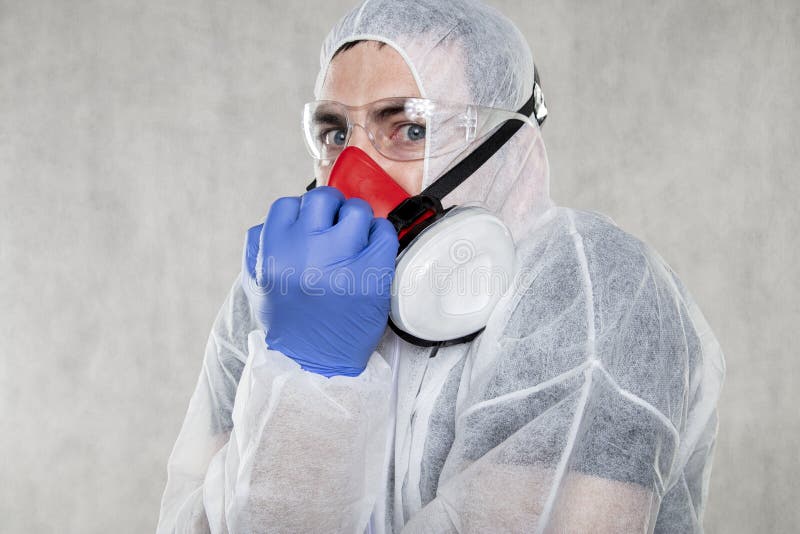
318, 274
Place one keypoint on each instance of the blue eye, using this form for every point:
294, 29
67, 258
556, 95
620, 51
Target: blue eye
415, 132
336, 137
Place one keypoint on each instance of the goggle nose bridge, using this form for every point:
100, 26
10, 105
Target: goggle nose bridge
351, 126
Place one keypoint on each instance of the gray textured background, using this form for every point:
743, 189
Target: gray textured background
139, 140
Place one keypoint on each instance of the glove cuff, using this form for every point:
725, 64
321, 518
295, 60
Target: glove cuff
326, 371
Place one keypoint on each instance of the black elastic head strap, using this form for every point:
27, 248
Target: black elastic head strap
467, 166
413, 208
414, 340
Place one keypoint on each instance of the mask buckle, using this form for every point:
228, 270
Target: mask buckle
413, 215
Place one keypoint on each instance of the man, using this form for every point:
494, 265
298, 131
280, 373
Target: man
586, 400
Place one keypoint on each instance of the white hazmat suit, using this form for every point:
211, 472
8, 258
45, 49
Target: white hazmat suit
588, 404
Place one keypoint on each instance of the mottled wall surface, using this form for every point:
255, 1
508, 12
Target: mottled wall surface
138, 141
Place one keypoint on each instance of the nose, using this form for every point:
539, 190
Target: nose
359, 137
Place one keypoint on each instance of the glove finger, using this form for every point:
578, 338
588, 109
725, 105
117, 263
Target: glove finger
319, 207
352, 229
382, 249
283, 213
383, 240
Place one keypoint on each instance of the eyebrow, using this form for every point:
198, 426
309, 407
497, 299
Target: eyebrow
328, 117
390, 110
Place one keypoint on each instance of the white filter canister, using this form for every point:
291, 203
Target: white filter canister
448, 280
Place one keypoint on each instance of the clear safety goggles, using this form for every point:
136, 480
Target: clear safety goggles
400, 128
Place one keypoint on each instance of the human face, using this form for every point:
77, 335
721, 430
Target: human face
363, 74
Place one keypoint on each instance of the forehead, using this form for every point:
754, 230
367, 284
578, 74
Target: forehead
366, 73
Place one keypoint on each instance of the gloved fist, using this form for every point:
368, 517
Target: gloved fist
318, 273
